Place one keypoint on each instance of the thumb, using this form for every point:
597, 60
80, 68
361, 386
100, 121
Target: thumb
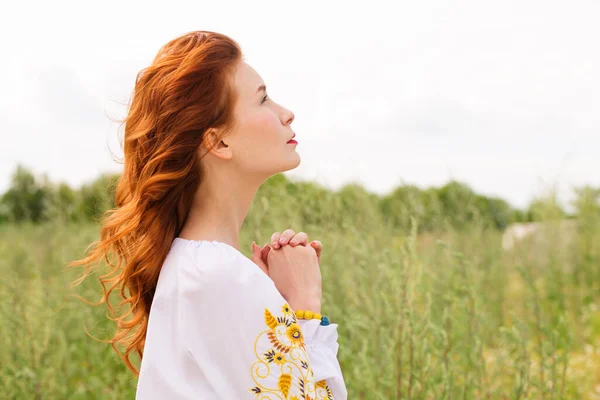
257, 258
265, 253
315, 244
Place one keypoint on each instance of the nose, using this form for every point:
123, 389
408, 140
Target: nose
288, 117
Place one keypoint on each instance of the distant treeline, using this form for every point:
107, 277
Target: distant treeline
454, 205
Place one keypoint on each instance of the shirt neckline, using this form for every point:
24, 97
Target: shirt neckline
218, 242
200, 241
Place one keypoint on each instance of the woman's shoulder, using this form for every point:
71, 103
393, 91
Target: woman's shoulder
215, 260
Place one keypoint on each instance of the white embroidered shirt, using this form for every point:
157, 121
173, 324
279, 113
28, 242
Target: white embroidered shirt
219, 329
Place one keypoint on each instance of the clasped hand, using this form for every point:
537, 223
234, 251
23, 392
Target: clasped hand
279, 240
294, 267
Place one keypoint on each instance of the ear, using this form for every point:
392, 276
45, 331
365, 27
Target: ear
214, 142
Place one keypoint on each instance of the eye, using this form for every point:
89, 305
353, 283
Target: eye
264, 99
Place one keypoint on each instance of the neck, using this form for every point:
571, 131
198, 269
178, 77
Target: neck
219, 209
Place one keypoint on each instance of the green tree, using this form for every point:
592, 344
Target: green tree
406, 202
97, 196
546, 207
493, 212
27, 197
457, 202
63, 203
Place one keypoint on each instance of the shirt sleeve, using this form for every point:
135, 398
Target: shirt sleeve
322, 347
246, 339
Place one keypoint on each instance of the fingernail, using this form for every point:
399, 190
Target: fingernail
293, 241
274, 243
282, 239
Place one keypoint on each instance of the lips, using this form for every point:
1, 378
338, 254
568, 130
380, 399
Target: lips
292, 138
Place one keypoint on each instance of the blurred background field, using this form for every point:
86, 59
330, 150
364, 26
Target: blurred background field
429, 304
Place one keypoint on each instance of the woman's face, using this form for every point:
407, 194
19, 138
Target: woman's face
259, 141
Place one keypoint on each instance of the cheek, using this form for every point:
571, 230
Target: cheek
261, 140
263, 124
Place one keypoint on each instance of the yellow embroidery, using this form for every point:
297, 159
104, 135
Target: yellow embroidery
285, 381
286, 310
284, 370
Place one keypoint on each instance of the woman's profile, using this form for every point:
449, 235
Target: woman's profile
201, 136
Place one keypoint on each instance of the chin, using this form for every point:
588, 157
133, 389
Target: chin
292, 162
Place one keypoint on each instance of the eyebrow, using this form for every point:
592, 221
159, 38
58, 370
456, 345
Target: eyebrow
261, 87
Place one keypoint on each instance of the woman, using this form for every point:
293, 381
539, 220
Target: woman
201, 136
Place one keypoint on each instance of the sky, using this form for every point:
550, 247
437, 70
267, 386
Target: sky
502, 96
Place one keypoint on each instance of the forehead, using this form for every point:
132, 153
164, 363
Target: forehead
247, 80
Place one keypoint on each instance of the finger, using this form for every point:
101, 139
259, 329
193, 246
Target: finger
318, 246
300, 238
257, 259
265, 253
275, 240
286, 236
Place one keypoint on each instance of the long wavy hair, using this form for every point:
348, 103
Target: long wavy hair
187, 89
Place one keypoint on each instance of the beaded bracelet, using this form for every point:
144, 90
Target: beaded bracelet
306, 314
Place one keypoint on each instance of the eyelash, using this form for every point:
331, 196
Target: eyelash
264, 99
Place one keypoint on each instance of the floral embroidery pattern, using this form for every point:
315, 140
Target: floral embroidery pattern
284, 371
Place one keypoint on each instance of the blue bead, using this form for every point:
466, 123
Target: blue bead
324, 321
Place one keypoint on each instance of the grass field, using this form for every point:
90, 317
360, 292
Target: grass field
448, 316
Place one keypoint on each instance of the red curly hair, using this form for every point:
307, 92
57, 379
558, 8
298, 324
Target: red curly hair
187, 89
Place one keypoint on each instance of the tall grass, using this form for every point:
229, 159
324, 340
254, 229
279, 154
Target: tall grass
431, 316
